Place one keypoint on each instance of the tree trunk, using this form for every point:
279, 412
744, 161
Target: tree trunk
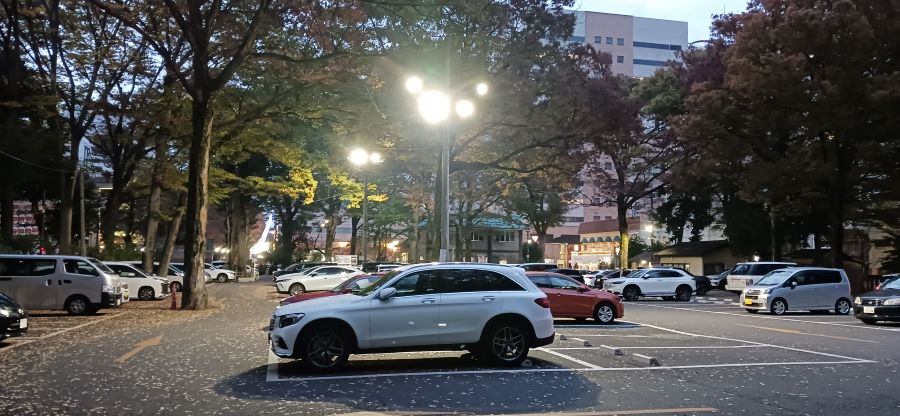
414, 239
153, 207
237, 232
172, 235
195, 296
622, 212
111, 216
67, 185
6, 211
354, 225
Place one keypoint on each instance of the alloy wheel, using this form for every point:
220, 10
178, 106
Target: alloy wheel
325, 349
778, 307
605, 314
843, 307
508, 343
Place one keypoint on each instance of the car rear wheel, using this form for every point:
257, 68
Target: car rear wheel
605, 313
842, 307
222, 278
296, 289
779, 307
631, 293
324, 349
683, 293
146, 293
869, 321
505, 343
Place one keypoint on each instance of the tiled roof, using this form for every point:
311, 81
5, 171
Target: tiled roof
693, 248
606, 226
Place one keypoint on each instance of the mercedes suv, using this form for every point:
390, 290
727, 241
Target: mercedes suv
666, 282
493, 311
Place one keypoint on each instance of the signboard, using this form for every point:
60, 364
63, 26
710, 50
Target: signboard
345, 260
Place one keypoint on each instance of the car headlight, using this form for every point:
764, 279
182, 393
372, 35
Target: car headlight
857, 300
4, 312
892, 302
289, 319
108, 289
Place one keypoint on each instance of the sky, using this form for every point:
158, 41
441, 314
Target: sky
698, 13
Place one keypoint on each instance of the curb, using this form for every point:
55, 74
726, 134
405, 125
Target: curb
644, 360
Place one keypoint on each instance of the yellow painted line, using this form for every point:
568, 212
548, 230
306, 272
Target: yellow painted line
793, 332
140, 346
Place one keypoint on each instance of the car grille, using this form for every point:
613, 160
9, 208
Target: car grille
753, 297
165, 288
872, 302
752, 292
271, 323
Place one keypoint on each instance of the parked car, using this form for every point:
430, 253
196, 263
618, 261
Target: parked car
494, 311
351, 285
173, 275
604, 275
145, 286
747, 274
317, 278
299, 267
590, 276
572, 299
666, 282
13, 318
537, 267
719, 280
702, 283
218, 275
575, 274
882, 304
799, 288
374, 266
79, 285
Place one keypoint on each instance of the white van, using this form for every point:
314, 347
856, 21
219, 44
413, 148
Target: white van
747, 274
79, 285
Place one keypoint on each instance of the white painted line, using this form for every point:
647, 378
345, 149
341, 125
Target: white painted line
665, 348
565, 370
62, 331
759, 343
570, 358
747, 315
272, 366
611, 335
576, 339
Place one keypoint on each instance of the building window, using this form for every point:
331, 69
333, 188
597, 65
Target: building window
609, 217
598, 39
620, 59
620, 41
609, 40
506, 237
649, 62
576, 39
651, 45
477, 237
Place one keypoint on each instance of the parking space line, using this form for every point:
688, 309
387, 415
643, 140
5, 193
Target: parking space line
791, 331
29, 340
612, 335
775, 318
672, 411
272, 367
843, 357
570, 358
665, 348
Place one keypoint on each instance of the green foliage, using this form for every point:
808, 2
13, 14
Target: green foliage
532, 253
21, 244
117, 252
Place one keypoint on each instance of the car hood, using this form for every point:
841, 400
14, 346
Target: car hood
881, 294
307, 296
289, 276
312, 304
761, 287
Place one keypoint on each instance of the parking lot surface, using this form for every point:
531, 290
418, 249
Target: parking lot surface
702, 357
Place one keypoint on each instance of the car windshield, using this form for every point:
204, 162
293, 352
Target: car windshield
891, 284
774, 278
96, 263
177, 267
741, 269
378, 283
637, 273
139, 272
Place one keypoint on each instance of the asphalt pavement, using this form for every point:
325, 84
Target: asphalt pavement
703, 357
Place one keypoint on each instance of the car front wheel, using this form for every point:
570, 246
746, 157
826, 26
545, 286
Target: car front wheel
222, 278
779, 307
296, 289
324, 349
505, 344
605, 313
146, 293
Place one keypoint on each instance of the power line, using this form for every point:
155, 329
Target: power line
14, 157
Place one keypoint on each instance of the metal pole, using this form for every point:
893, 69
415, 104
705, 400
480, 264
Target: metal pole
365, 212
81, 207
772, 232
445, 197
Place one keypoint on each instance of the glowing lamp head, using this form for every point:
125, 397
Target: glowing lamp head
434, 106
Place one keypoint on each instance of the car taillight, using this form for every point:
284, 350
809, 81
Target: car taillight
542, 302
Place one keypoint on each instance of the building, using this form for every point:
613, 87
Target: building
700, 257
493, 238
638, 45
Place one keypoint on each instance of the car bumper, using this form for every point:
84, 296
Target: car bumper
755, 302
111, 300
616, 290
282, 287
881, 313
540, 342
13, 326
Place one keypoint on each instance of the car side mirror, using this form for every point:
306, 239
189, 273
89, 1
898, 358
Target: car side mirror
347, 290
386, 294
792, 284
313, 274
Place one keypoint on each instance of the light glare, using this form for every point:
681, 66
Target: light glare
464, 108
358, 157
414, 85
481, 88
434, 106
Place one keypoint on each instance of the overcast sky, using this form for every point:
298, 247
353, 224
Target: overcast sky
697, 13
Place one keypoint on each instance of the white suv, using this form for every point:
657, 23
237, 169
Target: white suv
493, 311
316, 278
140, 284
665, 282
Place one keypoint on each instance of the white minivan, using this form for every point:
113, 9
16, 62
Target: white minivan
79, 285
747, 274
799, 288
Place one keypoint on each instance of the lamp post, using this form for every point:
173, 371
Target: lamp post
361, 157
649, 229
534, 240
435, 108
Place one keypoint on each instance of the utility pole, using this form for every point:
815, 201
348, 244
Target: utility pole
81, 232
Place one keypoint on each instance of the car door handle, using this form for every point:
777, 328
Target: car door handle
488, 299
429, 300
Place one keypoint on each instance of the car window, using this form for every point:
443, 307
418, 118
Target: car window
498, 282
741, 269
804, 278
328, 270
421, 283
821, 277
540, 281
27, 267
561, 283
79, 267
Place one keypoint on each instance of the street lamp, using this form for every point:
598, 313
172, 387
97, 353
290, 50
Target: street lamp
435, 107
649, 229
361, 157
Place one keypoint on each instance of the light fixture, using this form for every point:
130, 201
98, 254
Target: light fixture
414, 85
481, 88
358, 157
648, 228
375, 158
434, 106
464, 108
534, 238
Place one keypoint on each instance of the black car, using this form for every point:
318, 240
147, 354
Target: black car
882, 304
13, 319
299, 267
372, 266
575, 274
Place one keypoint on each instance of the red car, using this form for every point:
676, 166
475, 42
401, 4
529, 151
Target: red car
571, 299
348, 286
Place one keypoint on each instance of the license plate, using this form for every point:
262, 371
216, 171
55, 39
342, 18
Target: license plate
748, 301
23, 323
869, 309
